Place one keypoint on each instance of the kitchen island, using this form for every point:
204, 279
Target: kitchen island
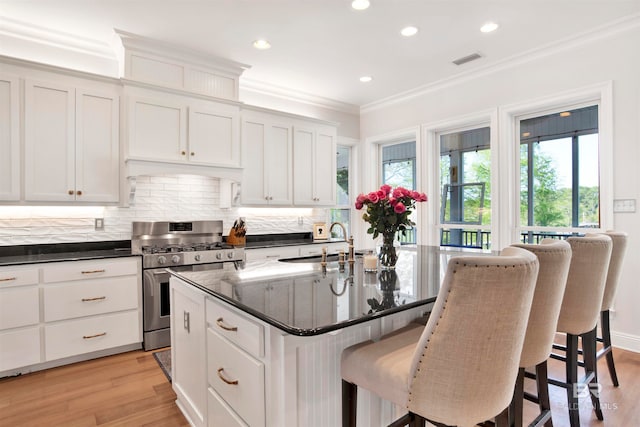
260, 344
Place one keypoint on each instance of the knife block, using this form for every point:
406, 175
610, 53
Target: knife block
234, 240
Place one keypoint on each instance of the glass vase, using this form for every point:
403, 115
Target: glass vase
387, 253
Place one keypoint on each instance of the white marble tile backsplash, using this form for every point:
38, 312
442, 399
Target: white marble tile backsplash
157, 198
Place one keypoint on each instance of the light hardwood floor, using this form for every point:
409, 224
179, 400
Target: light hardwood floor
131, 390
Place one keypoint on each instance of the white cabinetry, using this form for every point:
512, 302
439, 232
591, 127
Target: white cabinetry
177, 129
19, 317
188, 351
294, 251
71, 143
314, 166
267, 157
90, 306
9, 138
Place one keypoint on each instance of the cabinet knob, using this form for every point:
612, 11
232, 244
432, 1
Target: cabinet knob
270, 198
79, 192
70, 192
193, 153
184, 153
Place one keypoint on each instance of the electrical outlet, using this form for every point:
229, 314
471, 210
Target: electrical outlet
300, 220
99, 224
624, 205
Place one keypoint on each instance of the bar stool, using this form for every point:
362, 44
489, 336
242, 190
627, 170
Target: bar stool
554, 257
579, 316
619, 240
460, 369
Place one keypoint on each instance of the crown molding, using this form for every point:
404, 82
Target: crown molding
263, 88
604, 31
59, 39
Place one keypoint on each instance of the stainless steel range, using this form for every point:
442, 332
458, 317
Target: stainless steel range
181, 246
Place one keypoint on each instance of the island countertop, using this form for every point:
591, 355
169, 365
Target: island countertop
301, 299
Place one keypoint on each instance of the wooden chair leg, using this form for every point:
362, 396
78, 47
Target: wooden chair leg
543, 392
606, 340
517, 402
571, 369
590, 366
349, 404
502, 419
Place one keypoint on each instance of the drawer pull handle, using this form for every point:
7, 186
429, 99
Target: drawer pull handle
93, 299
93, 271
88, 337
8, 279
220, 323
230, 382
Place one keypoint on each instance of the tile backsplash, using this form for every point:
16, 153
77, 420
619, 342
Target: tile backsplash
157, 198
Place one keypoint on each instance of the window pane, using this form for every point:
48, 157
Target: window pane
559, 183
343, 161
399, 170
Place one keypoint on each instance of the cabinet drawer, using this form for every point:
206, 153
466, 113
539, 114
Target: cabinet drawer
220, 414
272, 253
77, 270
237, 378
236, 328
19, 348
18, 277
90, 297
74, 337
19, 306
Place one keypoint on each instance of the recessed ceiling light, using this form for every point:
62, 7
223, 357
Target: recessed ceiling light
366, 79
261, 44
360, 4
526, 134
489, 27
409, 31
565, 114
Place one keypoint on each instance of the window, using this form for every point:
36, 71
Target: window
342, 212
465, 185
559, 182
399, 170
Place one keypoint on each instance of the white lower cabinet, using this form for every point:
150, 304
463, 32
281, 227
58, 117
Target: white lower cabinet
188, 351
74, 337
58, 310
294, 251
219, 414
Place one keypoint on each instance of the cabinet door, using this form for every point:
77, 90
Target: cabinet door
214, 136
278, 158
303, 166
49, 142
19, 348
9, 139
97, 147
325, 167
188, 349
254, 134
157, 130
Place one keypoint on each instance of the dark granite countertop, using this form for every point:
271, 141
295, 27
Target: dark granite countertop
298, 298
30, 254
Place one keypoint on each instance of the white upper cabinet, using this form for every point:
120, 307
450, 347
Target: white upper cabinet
71, 144
180, 130
9, 138
267, 158
314, 166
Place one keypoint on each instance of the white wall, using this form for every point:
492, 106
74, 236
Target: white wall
613, 58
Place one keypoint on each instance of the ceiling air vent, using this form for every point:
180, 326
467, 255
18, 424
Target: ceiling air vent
467, 58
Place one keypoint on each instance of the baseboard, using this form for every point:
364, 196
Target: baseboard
625, 341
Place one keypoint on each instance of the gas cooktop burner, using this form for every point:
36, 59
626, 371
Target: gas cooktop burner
186, 247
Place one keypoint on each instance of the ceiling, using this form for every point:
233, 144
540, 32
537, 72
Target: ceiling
322, 47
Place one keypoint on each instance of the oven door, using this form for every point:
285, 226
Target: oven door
155, 294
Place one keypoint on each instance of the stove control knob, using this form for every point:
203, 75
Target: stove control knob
230, 254
175, 259
162, 259
197, 257
219, 255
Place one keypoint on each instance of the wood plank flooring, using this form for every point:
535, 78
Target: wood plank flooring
131, 390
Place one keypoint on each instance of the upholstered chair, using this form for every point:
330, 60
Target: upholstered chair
619, 240
460, 369
578, 318
554, 257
